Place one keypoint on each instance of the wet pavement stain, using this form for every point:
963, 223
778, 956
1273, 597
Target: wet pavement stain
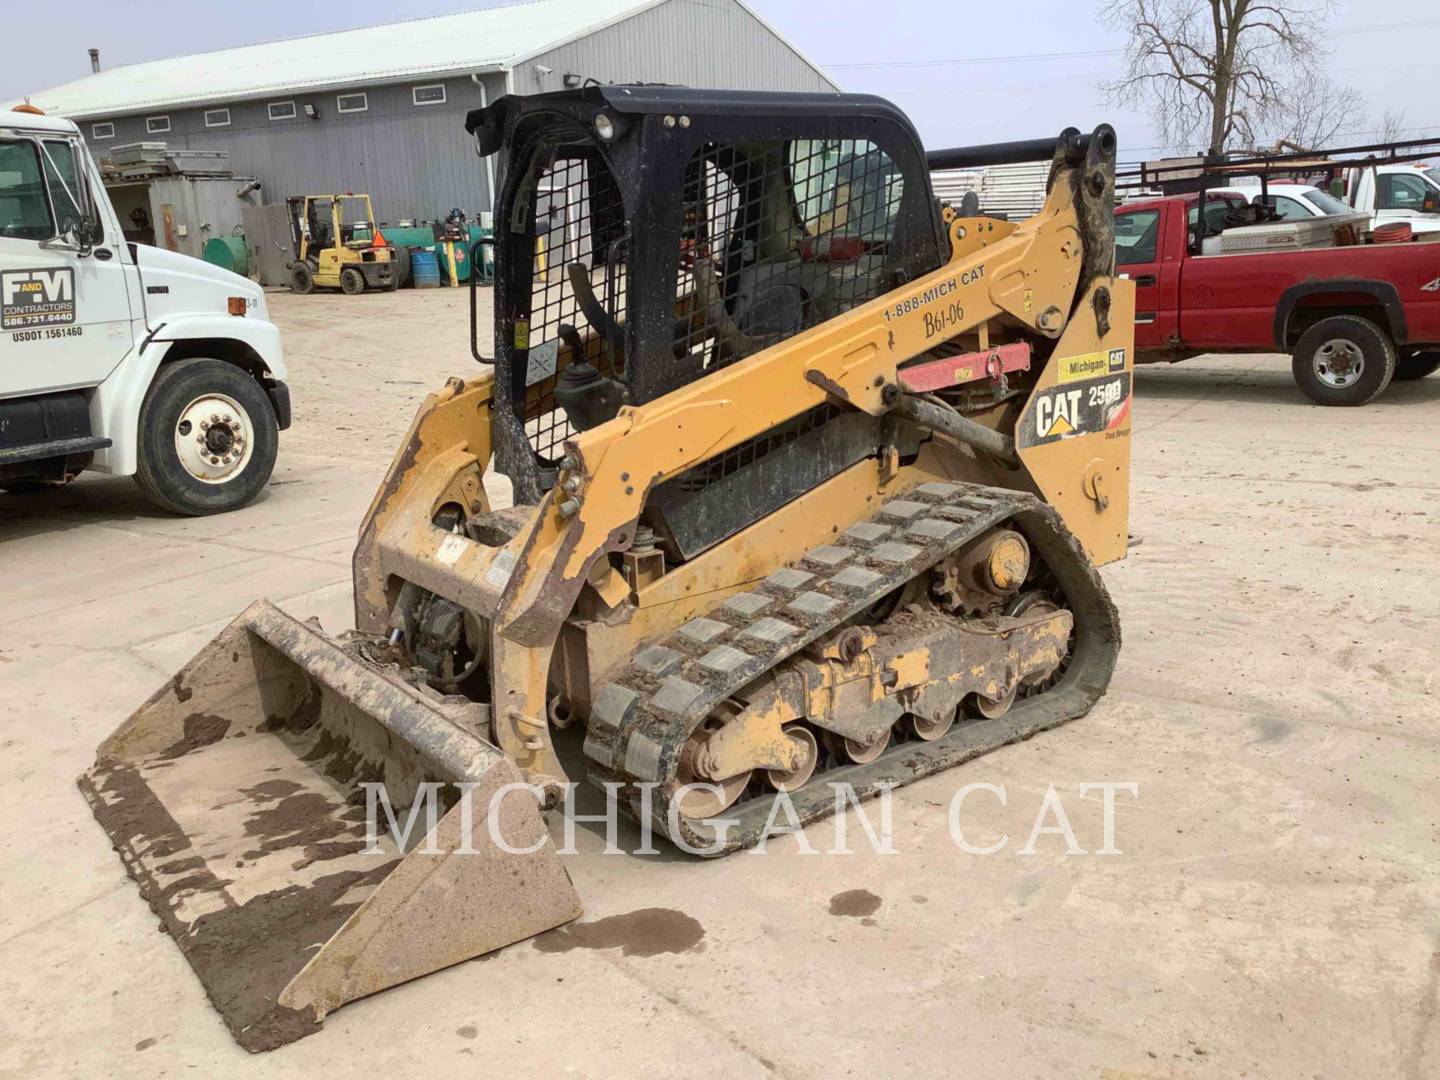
468, 1031
855, 904
646, 932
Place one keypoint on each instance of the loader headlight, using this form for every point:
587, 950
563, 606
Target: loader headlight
605, 127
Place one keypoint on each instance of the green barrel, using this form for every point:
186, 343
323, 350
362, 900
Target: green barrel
418, 238
408, 236
228, 253
462, 261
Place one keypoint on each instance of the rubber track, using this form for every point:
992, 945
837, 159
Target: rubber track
643, 717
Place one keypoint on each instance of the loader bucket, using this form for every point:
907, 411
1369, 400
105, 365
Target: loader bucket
237, 799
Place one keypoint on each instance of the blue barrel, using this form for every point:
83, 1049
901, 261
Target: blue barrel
425, 269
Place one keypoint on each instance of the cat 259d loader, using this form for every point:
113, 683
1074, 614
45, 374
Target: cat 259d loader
811, 476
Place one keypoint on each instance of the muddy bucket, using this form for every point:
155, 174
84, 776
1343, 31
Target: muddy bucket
237, 799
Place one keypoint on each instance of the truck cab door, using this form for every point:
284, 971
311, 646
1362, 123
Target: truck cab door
1137, 257
1401, 196
65, 313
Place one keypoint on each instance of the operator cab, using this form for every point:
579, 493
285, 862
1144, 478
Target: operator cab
611, 291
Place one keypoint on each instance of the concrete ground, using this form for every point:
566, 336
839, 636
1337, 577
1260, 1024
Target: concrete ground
1275, 910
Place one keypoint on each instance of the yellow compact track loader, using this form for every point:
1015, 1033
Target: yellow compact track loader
811, 476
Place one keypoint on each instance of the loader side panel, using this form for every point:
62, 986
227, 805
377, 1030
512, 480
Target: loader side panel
1073, 435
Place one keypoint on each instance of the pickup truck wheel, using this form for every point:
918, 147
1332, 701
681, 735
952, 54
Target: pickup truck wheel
208, 438
1417, 364
1343, 360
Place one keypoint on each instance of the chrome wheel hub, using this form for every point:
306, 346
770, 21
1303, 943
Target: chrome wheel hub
1338, 363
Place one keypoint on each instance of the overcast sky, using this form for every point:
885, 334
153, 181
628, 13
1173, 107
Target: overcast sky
963, 71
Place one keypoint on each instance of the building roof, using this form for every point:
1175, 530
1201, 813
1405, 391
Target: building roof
490, 39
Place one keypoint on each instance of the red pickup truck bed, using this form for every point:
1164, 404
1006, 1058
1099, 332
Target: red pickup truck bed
1351, 317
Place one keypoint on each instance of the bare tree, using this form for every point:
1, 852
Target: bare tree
1392, 125
1313, 111
1221, 70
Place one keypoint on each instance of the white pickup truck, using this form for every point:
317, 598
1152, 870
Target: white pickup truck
1396, 193
119, 357
1385, 192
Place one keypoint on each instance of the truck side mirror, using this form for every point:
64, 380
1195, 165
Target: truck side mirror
70, 238
1431, 205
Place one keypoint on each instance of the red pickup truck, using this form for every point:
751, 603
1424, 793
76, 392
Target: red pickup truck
1351, 317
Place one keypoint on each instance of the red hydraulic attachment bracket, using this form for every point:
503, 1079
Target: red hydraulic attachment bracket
968, 367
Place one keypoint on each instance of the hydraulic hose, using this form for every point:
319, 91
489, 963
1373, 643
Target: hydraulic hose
951, 423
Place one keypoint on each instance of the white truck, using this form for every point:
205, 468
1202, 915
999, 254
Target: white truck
1396, 193
1385, 192
120, 357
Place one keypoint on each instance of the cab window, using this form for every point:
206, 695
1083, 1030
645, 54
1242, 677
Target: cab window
1399, 191
1286, 208
845, 188
1215, 212
1137, 236
24, 209
63, 178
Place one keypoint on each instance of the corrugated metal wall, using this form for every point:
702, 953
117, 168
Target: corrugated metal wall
715, 43
417, 162
1017, 191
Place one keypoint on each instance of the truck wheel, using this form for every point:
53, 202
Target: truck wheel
208, 438
1417, 364
1343, 360
352, 281
302, 281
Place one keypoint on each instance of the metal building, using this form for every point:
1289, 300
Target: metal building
381, 109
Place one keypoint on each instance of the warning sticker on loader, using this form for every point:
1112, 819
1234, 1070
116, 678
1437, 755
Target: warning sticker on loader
31, 298
1080, 408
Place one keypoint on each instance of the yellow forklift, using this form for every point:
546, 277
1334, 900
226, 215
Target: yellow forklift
334, 250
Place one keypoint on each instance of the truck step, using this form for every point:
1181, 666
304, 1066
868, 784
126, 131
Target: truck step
52, 448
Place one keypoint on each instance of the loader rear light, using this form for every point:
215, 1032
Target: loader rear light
238, 305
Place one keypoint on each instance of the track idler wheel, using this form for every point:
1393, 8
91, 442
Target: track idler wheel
856, 752
796, 778
709, 797
928, 730
993, 709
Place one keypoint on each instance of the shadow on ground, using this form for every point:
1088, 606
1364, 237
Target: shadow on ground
1258, 386
91, 500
